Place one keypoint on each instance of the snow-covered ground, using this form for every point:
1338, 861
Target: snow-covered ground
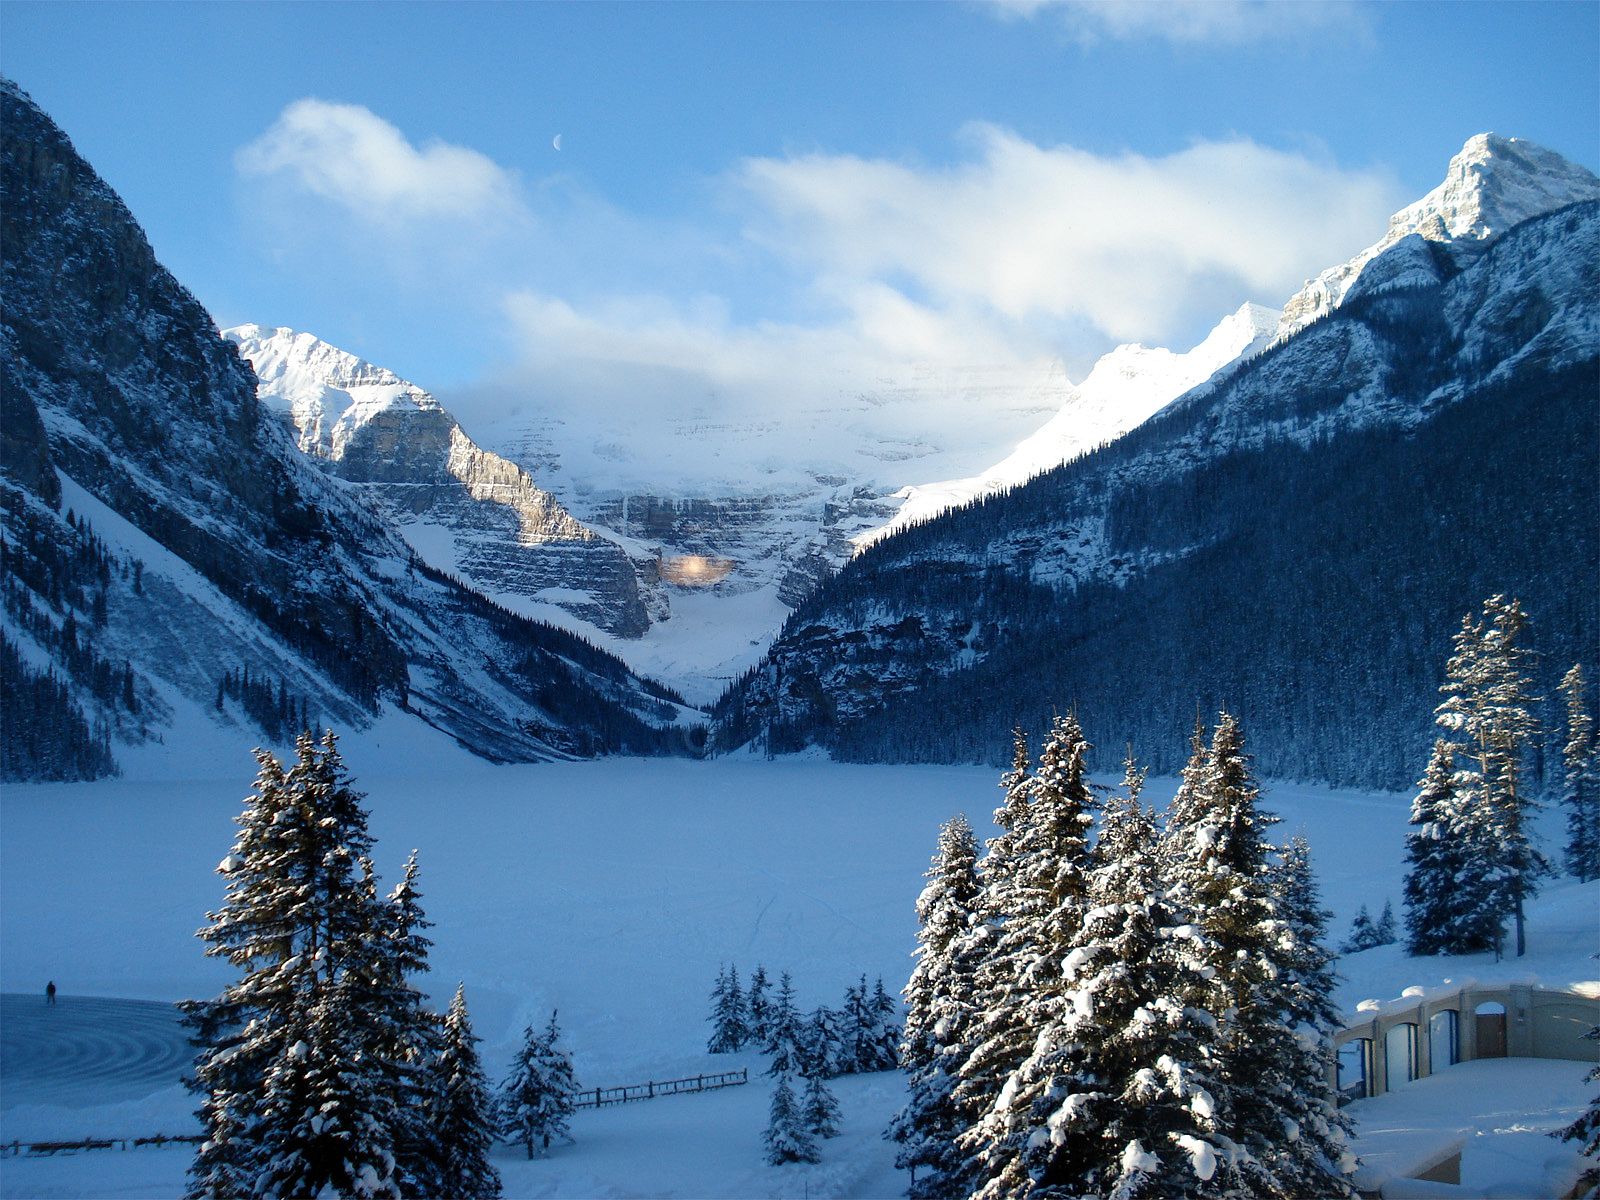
1499, 1110
612, 891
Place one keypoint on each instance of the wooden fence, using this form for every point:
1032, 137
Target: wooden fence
600, 1097
36, 1149
589, 1098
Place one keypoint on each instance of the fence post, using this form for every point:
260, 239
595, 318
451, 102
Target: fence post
597, 1097
651, 1094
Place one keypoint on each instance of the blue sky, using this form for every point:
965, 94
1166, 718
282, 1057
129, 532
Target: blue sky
743, 189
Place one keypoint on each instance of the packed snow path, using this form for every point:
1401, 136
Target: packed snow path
88, 1050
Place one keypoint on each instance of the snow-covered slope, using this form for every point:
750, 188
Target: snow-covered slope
1492, 184
1126, 387
463, 509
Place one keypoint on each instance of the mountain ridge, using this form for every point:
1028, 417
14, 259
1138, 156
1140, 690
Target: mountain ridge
169, 556
1127, 557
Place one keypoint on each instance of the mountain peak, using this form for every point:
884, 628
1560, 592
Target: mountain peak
1491, 184
327, 393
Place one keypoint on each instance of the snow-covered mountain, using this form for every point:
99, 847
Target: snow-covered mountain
1492, 184
1126, 387
174, 567
750, 505
463, 509
1295, 538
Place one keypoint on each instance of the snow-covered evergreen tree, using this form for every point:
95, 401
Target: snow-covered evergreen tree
1586, 1132
328, 1119
786, 1034
1488, 704
758, 1007
537, 1101
1445, 900
1218, 850
819, 1110
1127, 1109
787, 1138
240, 1033
408, 1034
1042, 924
822, 1043
1363, 934
729, 1022
462, 1111
1367, 934
937, 1010
296, 1064
1384, 931
1580, 782
886, 1030
986, 1061
1313, 1161
871, 1039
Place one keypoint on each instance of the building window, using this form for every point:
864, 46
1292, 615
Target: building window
1444, 1039
1355, 1070
1400, 1056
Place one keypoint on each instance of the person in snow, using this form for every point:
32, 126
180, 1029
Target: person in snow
50, 992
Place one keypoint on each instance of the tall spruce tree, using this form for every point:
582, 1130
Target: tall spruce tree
537, 1100
729, 1027
1447, 906
1217, 848
1488, 703
462, 1111
758, 1006
987, 1060
408, 1034
295, 1070
1580, 783
1314, 1160
822, 1043
886, 1030
786, 1038
1042, 925
1383, 931
937, 1011
1128, 1111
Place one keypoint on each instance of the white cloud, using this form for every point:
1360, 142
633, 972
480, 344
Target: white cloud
821, 294
1136, 247
348, 154
1190, 22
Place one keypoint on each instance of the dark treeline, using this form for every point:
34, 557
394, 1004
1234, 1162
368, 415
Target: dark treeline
278, 712
45, 735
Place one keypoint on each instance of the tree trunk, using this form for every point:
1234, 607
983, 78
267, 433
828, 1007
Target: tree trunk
1522, 940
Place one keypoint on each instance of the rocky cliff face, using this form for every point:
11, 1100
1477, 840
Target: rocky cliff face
463, 509
1295, 539
173, 558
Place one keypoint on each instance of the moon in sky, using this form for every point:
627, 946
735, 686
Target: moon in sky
557, 142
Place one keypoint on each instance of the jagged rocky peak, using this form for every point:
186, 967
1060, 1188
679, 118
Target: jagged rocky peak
329, 394
1493, 184
509, 536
